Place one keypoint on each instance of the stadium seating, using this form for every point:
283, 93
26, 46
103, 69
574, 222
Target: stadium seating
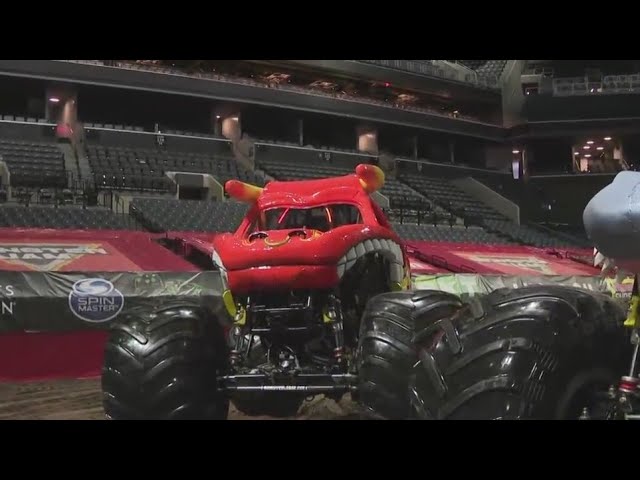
575, 231
397, 192
443, 203
440, 233
450, 197
90, 125
485, 68
529, 235
472, 64
133, 168
65, 196
13, 118
423, 68
61, 217
429, 206
492, 68
160, 214
33, 164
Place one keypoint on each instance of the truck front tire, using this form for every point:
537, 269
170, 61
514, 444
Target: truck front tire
163, 363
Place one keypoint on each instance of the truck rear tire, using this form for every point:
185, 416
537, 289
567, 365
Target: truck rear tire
542, 352
163, 363
386, 353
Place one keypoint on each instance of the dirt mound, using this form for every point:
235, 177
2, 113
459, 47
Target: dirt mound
81, 400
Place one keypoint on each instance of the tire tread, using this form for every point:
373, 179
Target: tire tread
163, 363
520, 345
386, 350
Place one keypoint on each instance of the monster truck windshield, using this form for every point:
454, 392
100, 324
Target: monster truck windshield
322, 218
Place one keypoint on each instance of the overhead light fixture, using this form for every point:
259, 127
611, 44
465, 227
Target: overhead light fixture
455, 112
54, 99
600, 148
218, 116
590, 142
586, 147
588, 155
577, 153
607, 138
515, 151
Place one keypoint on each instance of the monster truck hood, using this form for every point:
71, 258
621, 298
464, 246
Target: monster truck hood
304, 193
342, 245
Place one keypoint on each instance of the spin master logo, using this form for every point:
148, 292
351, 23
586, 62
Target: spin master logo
7, 304
95, 300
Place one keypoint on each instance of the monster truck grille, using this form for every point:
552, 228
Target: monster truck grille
273, 314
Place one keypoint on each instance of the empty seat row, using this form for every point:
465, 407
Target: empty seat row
529, 235
60, 217
132, 167
454, 234
18, 118
33, 164
397, 192
450, 197
168, 214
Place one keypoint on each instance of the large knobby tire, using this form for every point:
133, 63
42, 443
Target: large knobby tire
386, 354
541, 352
163, 363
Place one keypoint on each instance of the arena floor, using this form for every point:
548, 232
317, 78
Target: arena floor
80, 400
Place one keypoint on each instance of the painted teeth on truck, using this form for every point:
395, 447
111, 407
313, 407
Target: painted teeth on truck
217, 261
608, 265
598, 258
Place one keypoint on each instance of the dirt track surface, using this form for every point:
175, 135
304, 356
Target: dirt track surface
81, 400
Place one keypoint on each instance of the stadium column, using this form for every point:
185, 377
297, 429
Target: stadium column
216, 122
300, 132
367, 140
225, 120
230, 127
230, 122
61, 109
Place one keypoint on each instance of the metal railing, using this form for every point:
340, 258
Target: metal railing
605, 85
436, 70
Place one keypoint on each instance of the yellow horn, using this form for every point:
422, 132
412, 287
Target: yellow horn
371, 177
243, 192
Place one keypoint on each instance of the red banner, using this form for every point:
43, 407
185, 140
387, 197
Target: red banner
494, 259
85, 251
63, 256
418, 267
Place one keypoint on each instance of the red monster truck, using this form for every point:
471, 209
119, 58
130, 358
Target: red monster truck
298, 275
